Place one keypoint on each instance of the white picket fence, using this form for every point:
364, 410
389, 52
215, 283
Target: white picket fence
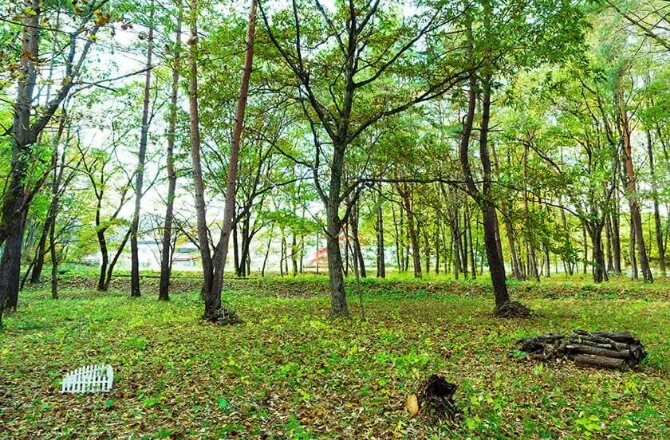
89, 379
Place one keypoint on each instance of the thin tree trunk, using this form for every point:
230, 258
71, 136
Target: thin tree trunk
282, 252
115, 259
358, 252
294, 254
405, 194
399, 242
58, 173
631, 187
104, 257
267, 254
236, 253
379, 226
347, 251
213, 302
54, 260
141, 159
658, 226
438, 246
471, 244
456, 242
167, 251
631, 251
609, 252
616, 235
199, 193
585, 260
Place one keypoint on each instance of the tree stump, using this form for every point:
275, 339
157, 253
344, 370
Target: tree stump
435, 397
614, 351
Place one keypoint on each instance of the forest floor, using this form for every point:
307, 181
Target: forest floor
289, 372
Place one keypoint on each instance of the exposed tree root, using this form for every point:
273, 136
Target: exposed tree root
513, 309
223, 316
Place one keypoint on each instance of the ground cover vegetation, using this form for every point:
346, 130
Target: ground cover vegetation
504, 163
287, 372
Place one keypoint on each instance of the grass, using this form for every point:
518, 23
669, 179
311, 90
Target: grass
288, 372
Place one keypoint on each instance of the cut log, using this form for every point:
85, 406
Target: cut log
587, 349
597, 349
590, 360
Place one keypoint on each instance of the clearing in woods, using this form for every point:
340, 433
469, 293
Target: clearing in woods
288, 372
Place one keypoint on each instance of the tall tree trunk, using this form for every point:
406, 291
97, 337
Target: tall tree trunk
406, 196
631, 186
52, 211
616, 234
166, 246
213, 307
509, 227
379, 227
338, 298
465, 243
141, 159
585, 250
54, 261
438, 244
397, 226
199, 193
13, 204
658, 225
496, 264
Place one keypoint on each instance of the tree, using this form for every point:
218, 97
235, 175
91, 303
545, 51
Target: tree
213, 267
103, 173
344, 63
28, 125
166, 243
141, 159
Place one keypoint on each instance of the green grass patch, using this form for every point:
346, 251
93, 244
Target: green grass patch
288, 372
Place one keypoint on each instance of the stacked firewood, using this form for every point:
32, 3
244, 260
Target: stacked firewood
616, 351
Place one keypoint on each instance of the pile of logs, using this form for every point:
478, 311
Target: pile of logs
615, 351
